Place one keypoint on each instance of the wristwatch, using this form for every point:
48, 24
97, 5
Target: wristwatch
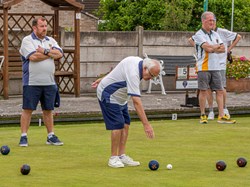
46, 51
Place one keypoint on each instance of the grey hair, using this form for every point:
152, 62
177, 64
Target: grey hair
204, 15
151, 63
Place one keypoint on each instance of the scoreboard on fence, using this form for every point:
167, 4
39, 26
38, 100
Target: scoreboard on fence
186, 77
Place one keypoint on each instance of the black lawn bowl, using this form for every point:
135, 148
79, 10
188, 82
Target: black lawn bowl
241, 162
25, 169
5, 150
221, 165
153, 165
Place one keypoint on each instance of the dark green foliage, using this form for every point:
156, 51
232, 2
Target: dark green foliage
179, 14
223, 12
170, 15
125, 15
195, 22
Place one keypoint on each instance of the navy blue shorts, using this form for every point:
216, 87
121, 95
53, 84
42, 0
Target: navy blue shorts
45, 94
115, 116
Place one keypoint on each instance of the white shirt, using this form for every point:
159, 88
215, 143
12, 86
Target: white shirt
37, 73
122, 82
226, 36
207, 61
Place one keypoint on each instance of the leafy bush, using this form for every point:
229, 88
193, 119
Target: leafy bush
170, 15
125, 15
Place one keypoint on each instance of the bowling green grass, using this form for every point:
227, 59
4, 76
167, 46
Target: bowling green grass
192, 149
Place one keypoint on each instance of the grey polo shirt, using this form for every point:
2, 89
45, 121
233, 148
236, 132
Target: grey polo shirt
37, 73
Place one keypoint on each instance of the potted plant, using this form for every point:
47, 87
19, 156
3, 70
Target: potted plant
238, 75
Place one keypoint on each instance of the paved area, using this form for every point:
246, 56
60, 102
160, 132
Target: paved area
86, 107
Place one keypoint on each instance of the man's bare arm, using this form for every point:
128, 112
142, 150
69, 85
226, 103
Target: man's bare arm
51, 53
37, 57
55, 53
217, 48
191, 41
142, 115
234, 43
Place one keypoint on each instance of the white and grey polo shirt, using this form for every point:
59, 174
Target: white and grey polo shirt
37, 73
207, 61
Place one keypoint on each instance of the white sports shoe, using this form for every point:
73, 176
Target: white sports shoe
210, 116
226, 112
115, 162
126, 160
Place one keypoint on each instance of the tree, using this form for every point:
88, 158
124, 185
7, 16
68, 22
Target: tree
125, 15
171, 15
197, 10
223, 11
180, 18
179, 14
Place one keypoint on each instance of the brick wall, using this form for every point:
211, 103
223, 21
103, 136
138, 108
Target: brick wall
66, 19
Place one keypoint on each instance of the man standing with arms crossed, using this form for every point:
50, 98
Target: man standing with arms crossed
226, 36
38, 53
208, 46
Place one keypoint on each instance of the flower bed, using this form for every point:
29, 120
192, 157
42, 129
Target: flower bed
238, 75
239, 68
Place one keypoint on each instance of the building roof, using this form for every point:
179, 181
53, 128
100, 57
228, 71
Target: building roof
63, 3
90, 5
53, 3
